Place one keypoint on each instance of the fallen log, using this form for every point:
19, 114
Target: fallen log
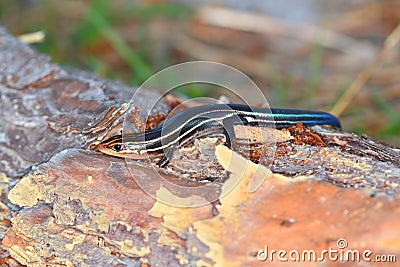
66, 204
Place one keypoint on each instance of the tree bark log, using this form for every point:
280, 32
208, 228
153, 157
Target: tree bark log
67, 205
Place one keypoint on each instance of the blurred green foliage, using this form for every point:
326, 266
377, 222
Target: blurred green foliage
78, 42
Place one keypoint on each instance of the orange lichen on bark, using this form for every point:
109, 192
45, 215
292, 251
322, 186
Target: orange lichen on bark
294, 214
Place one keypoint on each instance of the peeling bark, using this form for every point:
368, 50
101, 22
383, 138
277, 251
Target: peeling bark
75, 206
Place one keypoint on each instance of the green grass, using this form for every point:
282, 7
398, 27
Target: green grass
96, 20
99, 25
314, 72
393, 124
279, 86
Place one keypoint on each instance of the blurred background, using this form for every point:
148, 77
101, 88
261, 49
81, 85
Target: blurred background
302, 54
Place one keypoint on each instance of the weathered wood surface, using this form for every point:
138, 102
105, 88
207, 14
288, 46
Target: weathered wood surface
77, 207
45, 108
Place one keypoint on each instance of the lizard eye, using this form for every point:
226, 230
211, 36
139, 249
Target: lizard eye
117, 147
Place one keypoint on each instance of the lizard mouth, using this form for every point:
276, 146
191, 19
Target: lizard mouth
125, 154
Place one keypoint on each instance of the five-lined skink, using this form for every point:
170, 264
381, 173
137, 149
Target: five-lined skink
202, 120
